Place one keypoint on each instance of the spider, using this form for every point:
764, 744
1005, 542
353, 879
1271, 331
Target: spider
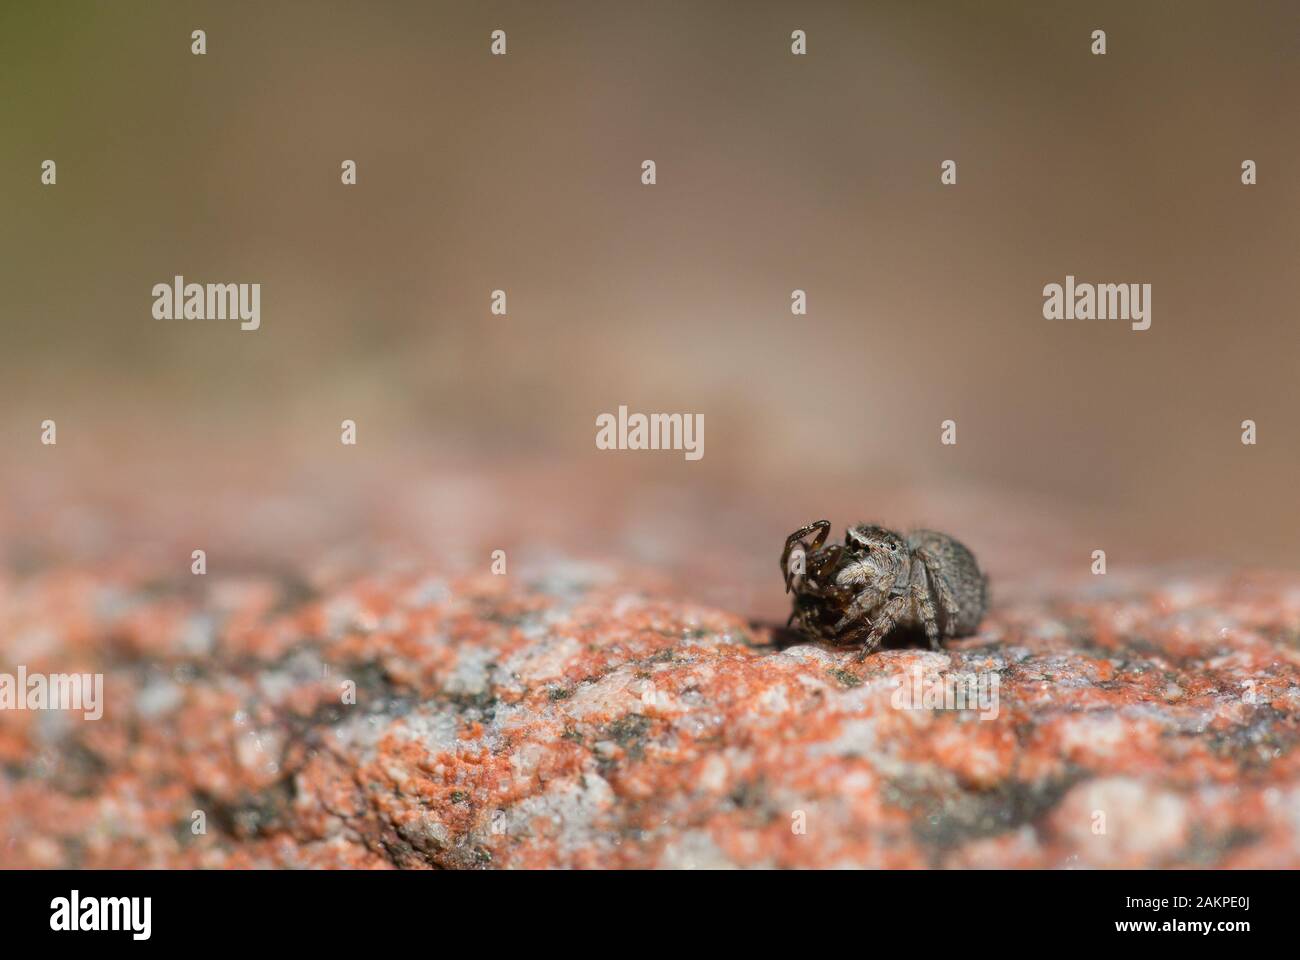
858, 591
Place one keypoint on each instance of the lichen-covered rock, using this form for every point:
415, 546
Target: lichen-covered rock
590, 718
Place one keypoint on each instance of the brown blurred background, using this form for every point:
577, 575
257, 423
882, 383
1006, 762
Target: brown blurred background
775, 172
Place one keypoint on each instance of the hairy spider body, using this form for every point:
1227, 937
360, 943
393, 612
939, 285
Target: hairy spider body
877, 580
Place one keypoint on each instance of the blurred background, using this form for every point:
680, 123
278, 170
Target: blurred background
775, 172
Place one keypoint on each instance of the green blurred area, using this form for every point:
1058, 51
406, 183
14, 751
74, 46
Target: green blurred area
775, 172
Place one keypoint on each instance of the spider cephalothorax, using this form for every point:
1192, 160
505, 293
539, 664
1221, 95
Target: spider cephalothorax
858, 591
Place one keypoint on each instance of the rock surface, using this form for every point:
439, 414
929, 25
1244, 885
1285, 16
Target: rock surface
591, 718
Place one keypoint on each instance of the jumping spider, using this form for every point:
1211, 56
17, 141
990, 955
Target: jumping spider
858, 591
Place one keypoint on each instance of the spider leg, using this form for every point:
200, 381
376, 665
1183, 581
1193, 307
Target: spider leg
861, 634
942, 588
885, 620
857, 609
924, 604
823, 528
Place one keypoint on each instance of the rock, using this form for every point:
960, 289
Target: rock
592, 718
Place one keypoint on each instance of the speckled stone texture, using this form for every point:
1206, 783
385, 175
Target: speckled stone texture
587, 716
